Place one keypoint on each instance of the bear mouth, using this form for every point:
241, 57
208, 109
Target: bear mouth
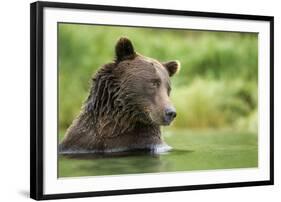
166, 123
162, 121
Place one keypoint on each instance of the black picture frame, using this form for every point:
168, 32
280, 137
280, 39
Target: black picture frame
37, 99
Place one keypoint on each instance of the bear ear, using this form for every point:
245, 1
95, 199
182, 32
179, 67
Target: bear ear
172, 67
124, 49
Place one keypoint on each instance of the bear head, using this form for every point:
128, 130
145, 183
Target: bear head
145, 84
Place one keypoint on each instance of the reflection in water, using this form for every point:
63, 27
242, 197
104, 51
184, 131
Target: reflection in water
124, 162
192, 151
124, 154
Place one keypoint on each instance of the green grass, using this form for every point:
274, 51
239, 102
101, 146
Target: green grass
216, 104
193, 150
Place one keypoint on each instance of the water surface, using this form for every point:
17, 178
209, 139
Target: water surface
191, 151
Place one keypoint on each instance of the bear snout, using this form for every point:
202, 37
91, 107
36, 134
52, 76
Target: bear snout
169, 115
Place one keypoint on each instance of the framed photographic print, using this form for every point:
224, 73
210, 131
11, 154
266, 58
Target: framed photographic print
136, 100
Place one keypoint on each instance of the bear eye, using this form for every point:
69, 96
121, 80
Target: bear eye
155, 82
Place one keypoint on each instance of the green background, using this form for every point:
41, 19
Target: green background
215, 94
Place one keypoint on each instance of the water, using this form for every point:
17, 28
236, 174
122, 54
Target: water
191, 151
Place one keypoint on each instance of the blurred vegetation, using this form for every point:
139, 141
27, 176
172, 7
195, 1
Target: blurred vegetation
215, 89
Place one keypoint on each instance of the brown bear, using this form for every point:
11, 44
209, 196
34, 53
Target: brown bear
127, 103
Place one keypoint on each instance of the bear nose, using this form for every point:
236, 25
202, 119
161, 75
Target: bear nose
170, 114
